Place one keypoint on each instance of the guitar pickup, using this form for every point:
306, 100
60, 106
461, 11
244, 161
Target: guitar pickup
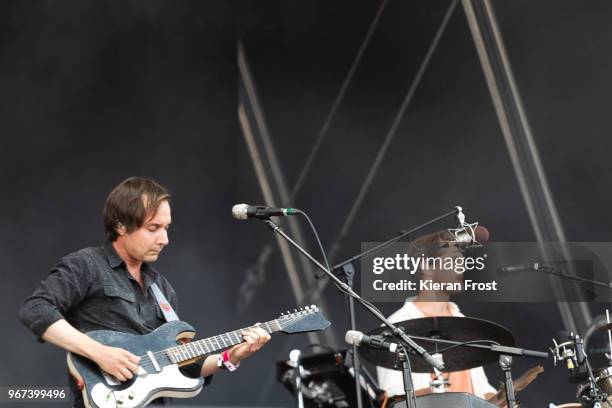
153, 361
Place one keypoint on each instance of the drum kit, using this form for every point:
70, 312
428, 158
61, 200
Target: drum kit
327, 378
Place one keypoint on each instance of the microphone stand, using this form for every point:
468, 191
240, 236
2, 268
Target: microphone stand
458, 211
397, 331
560, 272
348, 271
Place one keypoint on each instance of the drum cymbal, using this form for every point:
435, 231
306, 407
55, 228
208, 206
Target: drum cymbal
462, 329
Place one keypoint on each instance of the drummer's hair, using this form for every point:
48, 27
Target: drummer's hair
429, 247
430, 244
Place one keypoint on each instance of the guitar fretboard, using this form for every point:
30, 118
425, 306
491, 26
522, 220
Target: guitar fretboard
212, 344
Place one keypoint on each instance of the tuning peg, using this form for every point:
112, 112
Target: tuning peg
307, 307
282, 313
288, 312
295, 310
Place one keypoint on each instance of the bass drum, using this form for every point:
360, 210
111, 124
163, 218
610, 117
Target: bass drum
448, 400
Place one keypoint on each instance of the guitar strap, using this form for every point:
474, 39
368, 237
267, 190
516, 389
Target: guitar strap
163, 303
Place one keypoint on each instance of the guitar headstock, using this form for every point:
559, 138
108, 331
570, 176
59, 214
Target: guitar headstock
306, 319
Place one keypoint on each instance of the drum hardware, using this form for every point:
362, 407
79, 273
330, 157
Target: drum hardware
294, 361
448, 399
437, 335
438, 383
327, 381
460, 342
594, 387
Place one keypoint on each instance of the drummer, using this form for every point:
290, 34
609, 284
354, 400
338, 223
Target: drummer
429, 304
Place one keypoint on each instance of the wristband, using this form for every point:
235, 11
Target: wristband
224, 361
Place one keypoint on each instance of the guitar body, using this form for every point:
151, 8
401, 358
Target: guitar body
159, 379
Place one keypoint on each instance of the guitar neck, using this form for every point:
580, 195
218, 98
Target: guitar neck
212, 344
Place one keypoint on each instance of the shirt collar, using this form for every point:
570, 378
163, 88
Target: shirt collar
452, 306
114, 260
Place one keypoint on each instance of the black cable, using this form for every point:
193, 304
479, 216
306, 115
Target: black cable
314, 230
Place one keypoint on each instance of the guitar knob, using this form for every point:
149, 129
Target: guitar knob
120, 400
131, 395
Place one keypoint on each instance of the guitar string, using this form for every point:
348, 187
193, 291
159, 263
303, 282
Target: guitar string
164, 353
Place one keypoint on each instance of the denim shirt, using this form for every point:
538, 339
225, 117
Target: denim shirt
93, 290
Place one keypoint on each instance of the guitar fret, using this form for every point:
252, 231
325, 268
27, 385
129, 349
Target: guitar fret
268, 326
238, 339
206, 346
212, 346
199, 348
170, 356
223, 340
192, 350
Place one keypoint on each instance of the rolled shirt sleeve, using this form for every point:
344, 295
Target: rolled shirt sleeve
65, 287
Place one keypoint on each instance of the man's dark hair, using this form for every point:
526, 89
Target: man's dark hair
131, 203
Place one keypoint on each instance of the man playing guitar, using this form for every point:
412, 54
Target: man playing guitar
112, 287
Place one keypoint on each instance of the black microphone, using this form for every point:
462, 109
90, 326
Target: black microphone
519, 268
244, 211
357, 338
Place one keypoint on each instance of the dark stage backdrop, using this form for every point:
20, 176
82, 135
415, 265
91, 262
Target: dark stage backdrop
91, 93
